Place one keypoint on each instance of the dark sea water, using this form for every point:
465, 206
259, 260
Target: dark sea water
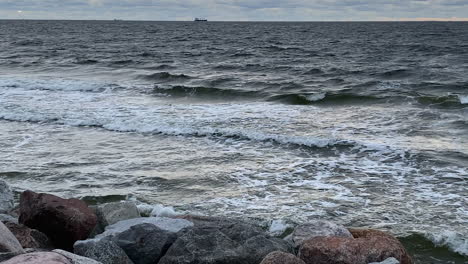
365, 124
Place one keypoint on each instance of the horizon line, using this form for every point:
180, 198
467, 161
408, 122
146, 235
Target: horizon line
251, 21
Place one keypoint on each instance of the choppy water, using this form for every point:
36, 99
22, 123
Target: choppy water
365, 124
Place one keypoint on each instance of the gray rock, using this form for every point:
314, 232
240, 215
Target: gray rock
145, 243
388, 261
318, 228
9, 255
38, 258
8, 242
279, 257
103, 250
227, 242
167, 224
112, 213
75, 259
6, 197
8, 218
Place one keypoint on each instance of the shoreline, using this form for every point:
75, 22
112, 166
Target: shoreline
280, 229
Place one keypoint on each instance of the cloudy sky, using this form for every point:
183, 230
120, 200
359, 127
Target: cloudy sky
227, 10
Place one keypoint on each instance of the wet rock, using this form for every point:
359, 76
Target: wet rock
75, 259
145, 243
8, 218
29, 238
388, 261
112, 213
64, 221
8, 242
223, 241
102, 250
38, 258
167, 224
278, 257
6, 197
366, 246
318, 228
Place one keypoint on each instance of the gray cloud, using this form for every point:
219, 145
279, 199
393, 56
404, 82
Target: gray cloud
295, 10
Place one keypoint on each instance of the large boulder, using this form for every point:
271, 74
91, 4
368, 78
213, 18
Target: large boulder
223, 241
29, 238
38, 258
75, 259
8, 255
103, 250
64, 221
167, 224
6, 197
366, 246
111, 213
278, 257
145, 243
318, 228
8, 242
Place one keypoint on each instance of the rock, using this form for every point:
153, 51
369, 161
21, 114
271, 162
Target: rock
8, 242
38, 258
9, 255
318, 228
75, 259
366, 246
145, 243
29, 238
388, 261
112, 213
167, 224
8, 218
6, 197
64, 221
103, 250
225, 242
278, 257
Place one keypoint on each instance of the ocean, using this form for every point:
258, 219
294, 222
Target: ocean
365, 124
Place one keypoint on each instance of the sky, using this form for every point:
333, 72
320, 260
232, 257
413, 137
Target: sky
237, 10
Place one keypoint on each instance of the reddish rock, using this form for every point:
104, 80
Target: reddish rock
38, 258
366, 246
278, 257
29, 238
64, 221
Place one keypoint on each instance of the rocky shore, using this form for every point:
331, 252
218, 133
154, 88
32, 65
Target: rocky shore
47, 229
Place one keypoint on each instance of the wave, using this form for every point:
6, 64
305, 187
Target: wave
447, 101
323, 98
174, 130
463, 99
453, 240
88, 61
165, 76
444, 247
200, 91
395, 74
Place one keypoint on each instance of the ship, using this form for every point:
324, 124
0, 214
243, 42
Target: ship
199, 19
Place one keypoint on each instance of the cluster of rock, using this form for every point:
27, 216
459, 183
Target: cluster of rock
48, 229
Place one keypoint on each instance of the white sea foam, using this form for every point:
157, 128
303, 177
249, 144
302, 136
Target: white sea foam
463, 99
278, 227
453, 240
316, 97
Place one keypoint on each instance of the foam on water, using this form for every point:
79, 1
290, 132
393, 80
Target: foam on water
453, 240
463, 99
